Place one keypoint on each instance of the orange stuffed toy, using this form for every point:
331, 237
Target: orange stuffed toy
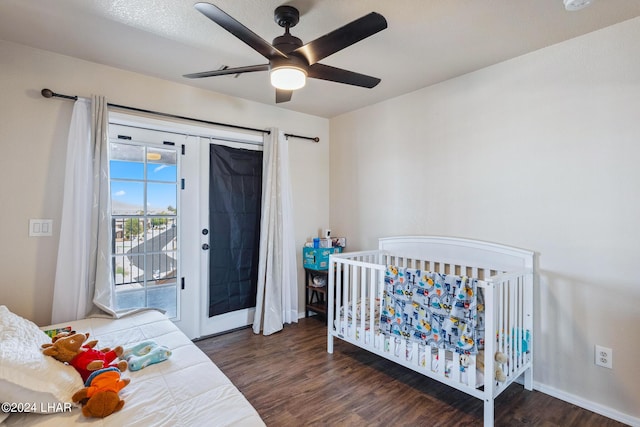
100, 396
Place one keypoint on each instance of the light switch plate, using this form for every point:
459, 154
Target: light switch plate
40, 227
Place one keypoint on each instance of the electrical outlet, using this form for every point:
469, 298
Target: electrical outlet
604, 357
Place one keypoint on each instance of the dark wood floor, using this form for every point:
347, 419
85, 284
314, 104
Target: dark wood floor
291, 380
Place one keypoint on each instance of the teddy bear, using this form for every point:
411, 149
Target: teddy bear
99, 397
70, 349
500, 358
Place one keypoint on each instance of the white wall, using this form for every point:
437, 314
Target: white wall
540, 152
33, 133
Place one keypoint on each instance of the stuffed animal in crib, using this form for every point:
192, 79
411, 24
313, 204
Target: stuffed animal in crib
99, 397
144, 354
71, 349
500, 358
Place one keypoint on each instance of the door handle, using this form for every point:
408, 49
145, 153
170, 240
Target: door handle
205, 246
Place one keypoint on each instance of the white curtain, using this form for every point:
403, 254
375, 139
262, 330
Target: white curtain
277, 296
83, 283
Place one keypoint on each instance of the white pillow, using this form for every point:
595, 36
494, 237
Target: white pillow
27, 375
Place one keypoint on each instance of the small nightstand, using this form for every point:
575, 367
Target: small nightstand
316, 296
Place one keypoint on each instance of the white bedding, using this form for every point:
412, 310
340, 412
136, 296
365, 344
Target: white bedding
188, 389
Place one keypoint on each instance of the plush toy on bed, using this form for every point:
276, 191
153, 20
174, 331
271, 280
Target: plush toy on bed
144, 354
70, 349
500, 358
99, 397
65, 334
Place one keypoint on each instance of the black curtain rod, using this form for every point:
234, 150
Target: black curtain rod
48, 93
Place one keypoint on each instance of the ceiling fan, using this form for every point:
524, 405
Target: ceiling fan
291, 62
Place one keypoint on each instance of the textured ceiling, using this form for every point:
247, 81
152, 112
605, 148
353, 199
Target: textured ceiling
427, 41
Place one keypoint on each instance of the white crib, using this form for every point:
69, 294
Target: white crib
506, 276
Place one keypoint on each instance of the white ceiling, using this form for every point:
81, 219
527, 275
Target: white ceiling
426, 42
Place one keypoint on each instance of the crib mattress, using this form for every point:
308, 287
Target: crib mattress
188, 389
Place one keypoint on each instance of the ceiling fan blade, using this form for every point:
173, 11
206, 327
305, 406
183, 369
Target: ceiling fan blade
254, 41
343, 37
283, 95
326, 72
225, 71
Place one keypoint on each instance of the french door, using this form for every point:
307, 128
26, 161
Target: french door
145, 244
202, 255
230, 199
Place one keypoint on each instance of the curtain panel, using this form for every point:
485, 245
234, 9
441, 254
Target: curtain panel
277, 295
83, 282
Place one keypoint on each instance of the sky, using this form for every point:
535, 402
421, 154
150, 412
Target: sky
127, 186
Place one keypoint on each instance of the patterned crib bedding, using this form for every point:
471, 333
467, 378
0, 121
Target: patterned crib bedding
367, 311
353, 323
434, 309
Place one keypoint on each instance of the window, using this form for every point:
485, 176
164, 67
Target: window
144, 222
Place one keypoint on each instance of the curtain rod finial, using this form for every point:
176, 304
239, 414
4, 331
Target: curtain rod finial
47, 93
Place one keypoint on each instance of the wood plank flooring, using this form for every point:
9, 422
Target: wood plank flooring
291, 380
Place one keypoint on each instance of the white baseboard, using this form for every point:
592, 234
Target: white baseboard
302, 314
587, 404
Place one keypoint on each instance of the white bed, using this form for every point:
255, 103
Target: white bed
188, 389
360, 291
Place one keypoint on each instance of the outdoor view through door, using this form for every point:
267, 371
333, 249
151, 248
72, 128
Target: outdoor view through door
144, 187
235, 193
185, 223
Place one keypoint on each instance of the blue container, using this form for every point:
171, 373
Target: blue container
318, 258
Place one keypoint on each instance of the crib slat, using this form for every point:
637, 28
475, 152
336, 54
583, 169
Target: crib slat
346, 291
456, 374
491, 320
510, 341
337, 289
353, 301
442, 362
362, 300
372, 303
521, 321
471, 371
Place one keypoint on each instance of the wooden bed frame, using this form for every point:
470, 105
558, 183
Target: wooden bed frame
506, 276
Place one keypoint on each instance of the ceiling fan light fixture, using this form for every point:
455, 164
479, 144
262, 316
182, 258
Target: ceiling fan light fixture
572, 5
288, 78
